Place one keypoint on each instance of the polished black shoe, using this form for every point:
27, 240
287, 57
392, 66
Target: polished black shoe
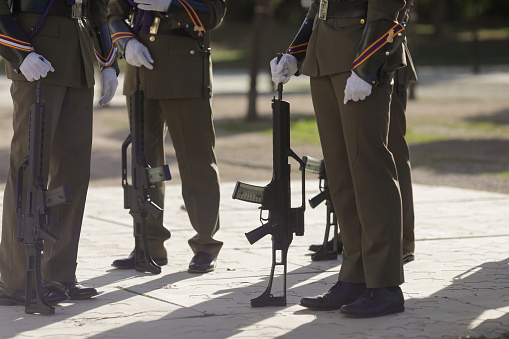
376, 302
52, 296
340, 294
330, 247
202, 263
79, 292
408, 256
316, 247
129, 262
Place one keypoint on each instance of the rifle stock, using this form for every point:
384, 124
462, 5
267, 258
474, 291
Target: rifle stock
283, 220
143, 177
33, 217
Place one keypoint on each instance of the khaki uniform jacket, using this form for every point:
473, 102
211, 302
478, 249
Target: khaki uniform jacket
73, 60
182, 67
333, 44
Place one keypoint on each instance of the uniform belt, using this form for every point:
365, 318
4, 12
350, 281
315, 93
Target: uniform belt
162, 26
342, 9
59, 8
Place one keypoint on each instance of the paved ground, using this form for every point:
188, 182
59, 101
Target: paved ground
457, 286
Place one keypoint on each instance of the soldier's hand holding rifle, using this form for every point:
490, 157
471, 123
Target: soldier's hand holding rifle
284, 69
356, 88
137, 54
35, 66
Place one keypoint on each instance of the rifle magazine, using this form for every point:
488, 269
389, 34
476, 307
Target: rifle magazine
58, 196
249, 193
158, 174
127, 195
297, 219
312, 165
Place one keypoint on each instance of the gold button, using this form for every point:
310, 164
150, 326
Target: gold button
191, 51
363, 21
387, 53
152, 38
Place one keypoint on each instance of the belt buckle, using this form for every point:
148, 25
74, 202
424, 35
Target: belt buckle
154, 28
77, 11
322, 12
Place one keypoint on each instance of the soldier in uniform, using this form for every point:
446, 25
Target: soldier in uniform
350, 49
399, 147
53, 41
170, 43
398, 144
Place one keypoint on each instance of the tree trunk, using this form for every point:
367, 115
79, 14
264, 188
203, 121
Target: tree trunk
256, 42
476, 64
442, 8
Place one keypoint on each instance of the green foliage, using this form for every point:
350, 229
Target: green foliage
454, 11
304, 130
285, 10
429, 11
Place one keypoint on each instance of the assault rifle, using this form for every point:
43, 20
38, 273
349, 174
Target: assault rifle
282, 220
326, 252
32, 224
137, 194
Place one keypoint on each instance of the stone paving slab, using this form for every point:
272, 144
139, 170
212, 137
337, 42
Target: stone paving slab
457, 286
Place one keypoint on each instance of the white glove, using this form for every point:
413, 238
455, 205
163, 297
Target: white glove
35, 66
110, 84
284, 69
137, 54
356, 88
154, 5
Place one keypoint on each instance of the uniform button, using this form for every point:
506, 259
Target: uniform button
187, 25
152, 38
363, 21
191, 51
387, 53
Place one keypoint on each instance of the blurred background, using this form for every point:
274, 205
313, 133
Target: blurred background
441, 32
458, 115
